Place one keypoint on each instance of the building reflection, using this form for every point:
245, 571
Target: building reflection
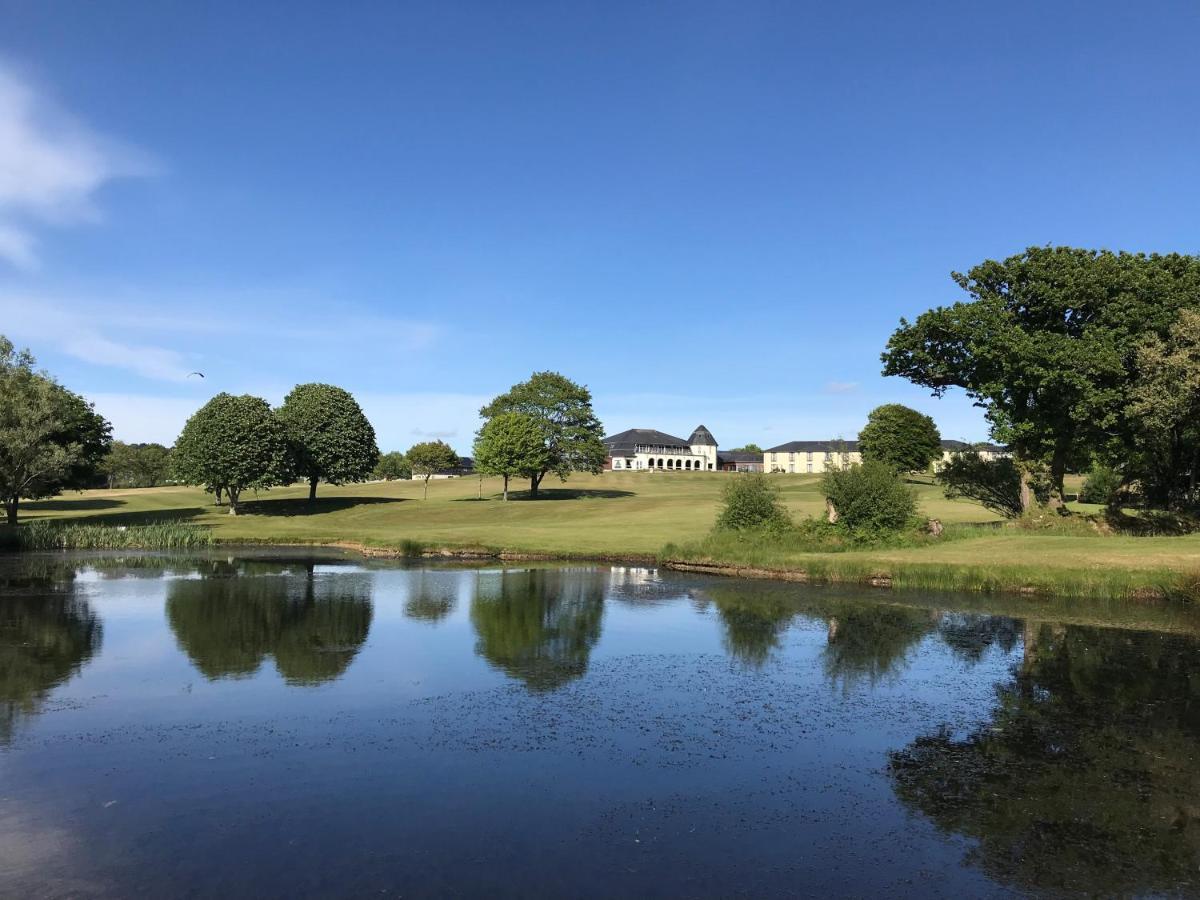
313, 625
539, 625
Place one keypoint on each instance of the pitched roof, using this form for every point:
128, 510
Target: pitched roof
702, 437
627, 440
737, 456
816, 447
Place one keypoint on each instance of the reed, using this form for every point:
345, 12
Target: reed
42, 534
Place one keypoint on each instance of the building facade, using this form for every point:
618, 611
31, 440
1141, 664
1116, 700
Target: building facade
811, 456
646, 449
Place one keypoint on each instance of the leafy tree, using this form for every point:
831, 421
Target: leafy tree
392, 466
748, 448
869, 498
905, 439
751, 503
50, 438
331, 438
511, 443
1102, 486
996, 484
233, 443
429, 458
1165, 405
572, 433
1043, 345
136, 465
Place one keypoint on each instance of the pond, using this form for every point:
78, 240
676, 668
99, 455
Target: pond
312, 726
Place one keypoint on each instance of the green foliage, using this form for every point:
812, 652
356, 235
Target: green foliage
750, 502
393, 466
1101, 486
136, 465
50, 438
46, 534
331, 438
563, 409
233, 443
1164, 404
748, 448
870, 498
996, 484
901, 437
429, 458
511, 444
1043, 344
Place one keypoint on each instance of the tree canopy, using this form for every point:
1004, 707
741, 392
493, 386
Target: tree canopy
330, 436
50, 438
233, 443
511, 444
393, 465
136, 465
429, 458
900, 437
563, 409
1046, 344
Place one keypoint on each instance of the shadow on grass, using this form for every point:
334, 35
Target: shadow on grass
299, 506
62, 504
1152, 523
569, 494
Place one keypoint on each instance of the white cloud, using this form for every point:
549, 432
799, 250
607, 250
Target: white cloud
139, 418
32, 319
51, 166
841, 387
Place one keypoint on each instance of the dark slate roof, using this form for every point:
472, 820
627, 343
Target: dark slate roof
702, 437
626, 440
957, 446
739, 456
816, 447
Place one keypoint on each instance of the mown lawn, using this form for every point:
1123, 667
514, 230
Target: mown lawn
610, 514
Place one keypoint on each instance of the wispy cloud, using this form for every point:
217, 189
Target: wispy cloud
841, 387
51, 166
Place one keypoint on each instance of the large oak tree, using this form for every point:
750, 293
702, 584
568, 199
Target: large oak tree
563, 410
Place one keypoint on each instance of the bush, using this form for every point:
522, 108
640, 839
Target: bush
751, 502
1101, 486
996, 483
870, 499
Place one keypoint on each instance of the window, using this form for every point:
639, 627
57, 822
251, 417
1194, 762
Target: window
810, 465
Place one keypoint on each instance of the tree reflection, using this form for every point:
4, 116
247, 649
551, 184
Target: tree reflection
432, 597
1086, 777
228, 623
539, 625
46, 634
870, 642
753, 620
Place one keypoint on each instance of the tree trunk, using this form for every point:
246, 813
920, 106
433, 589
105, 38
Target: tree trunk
312, 489
217, 494
480, 487
233, 501
534, 482
1026, 492
506, 488
10, 509
1058, 471
831, 513
426, 497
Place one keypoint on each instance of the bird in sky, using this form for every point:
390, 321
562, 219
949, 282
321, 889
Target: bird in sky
190, 374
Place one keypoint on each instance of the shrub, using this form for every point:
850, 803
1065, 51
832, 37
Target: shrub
1101, 486
870, 499
994, 483
751, 502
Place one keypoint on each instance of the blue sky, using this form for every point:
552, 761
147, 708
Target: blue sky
705, 212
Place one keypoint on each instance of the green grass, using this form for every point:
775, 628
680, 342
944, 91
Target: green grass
638, 514
48, 534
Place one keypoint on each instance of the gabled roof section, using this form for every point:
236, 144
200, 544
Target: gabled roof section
702, 437
816, 447
627, 440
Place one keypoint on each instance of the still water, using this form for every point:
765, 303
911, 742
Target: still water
284, 727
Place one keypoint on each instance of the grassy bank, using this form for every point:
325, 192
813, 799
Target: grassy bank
636, 515
47, 534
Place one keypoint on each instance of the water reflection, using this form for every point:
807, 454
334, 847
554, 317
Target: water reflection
432, 596
539, 625
47, 633
753, 622
228, 624
870, 643
1086, 778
